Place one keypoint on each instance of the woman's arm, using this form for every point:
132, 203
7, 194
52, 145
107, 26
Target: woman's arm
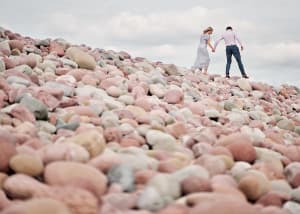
210, 45
217, 42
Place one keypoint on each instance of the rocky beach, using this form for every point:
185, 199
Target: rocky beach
90, 131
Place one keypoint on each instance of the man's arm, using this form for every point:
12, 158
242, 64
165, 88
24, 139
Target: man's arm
217, 42
239, 41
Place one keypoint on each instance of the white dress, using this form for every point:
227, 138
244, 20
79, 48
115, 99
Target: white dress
202, 60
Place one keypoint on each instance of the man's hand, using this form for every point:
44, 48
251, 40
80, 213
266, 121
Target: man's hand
242, 48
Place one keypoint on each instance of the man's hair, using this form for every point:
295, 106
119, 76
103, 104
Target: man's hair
228, 28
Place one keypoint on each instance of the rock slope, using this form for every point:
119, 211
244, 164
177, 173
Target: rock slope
89, 131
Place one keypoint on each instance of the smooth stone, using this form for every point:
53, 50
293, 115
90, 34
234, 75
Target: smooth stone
21, 186
212, 114
22, 113
161, 190
257, 94
5, 48
157, 90
194, 184
297, 130
145, 162
46, 127
255, 134
56, 48
121, 201
68, 62
213, 164
281, 186
239, 169
216, 203
83, 59
273, 169
242, 151
174, 209
237, 118
228, 105
161, 140
228, 161
63, 152
35, 106
292, 173
2, 65
264, 154
123, 175
286, 124
106, 160
259, 115
254, 184
3, 177
114, 91
69, 126
7, 150
273, 198
126, 99
92, 140
295, 194
244, 84
167, 186
177, 129
26, 164
109, 119
143, 176
76, 174
38, 206
233, 138
79, 201
173, 96
292, 207
26, 69
112, 134
191, 170
68, 90
150, 199
18, 80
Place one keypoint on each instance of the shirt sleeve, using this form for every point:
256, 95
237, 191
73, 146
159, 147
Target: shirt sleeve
237, 39
218, 41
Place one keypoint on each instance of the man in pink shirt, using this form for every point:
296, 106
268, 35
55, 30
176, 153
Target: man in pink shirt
230, 38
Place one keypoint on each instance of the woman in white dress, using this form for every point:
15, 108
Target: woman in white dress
202, 60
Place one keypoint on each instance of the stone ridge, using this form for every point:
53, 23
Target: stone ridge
90, 131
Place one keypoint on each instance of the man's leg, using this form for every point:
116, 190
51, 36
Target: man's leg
237, 56
228, 56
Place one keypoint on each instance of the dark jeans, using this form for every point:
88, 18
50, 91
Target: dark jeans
234, 50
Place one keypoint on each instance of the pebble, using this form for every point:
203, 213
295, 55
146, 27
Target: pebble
35, 106
37, 206
83, 59
91, 140
26, 164
122, 175
76, 174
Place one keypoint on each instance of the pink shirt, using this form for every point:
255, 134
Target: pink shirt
230, 38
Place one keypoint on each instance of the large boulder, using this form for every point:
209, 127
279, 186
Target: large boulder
83, 59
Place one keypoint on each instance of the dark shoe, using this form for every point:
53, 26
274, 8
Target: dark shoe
245, 76
227, 76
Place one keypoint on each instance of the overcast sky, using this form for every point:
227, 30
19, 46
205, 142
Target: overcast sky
169, 30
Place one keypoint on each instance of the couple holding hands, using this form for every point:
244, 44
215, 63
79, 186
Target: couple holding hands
230, 38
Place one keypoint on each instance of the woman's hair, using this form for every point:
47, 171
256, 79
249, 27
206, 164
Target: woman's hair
208, 29
228, 28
